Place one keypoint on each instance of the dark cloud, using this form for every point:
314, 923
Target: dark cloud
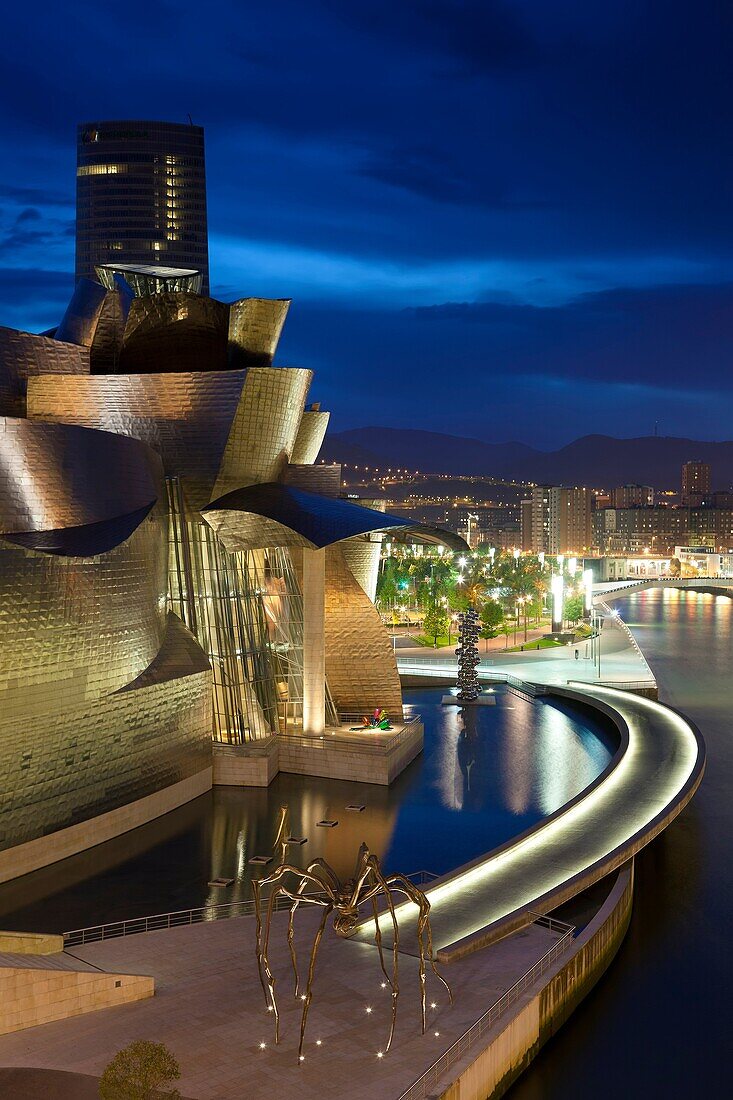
423, 172
479, 35
20, 286
502, 371
35, 195
429, 153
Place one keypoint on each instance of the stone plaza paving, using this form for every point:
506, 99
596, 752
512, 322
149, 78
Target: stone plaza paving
621, 661
209, 1009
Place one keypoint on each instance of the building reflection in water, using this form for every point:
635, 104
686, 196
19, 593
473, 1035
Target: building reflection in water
487, 773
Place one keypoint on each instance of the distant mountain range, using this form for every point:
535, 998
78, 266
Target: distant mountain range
594, 460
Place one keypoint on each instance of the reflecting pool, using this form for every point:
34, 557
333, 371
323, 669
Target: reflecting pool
486, 774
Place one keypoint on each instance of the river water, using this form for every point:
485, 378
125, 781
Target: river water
484, 776
659, 1023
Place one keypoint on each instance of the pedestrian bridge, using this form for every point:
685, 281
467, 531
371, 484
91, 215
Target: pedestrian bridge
723, 585
649, 781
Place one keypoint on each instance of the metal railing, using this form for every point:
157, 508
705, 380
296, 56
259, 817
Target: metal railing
419, 1089
135, 926
621, 685
484, 672
614, 617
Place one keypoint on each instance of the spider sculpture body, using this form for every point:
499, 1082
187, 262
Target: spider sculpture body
344, 900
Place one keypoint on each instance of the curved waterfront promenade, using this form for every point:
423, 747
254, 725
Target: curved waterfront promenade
650, 780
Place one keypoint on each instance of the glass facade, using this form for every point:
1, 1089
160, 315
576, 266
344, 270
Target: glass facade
246, 610
144, 281
141, 196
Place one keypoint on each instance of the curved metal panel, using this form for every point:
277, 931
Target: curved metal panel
23, 355
322, 479
176, 332
75, 629
255, 325
360, 664
109, 333
88, 541
362, 553
79, 322
265, 427
311, 434
185, 417
55, 476
435, 536
69, 761
317, 521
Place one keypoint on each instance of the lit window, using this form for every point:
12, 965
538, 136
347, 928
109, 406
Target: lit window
100, 169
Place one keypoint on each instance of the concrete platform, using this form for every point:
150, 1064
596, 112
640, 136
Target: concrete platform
210, 1011
361, 756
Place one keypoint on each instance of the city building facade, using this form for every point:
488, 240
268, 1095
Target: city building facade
141, 198
631, 496
557, 520
696, 483
658, 530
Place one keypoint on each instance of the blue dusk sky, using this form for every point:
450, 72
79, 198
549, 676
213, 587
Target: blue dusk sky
510, 220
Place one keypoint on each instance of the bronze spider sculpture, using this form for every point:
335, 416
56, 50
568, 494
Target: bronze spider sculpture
343, 899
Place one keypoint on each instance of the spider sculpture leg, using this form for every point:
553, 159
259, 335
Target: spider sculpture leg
291, 934
423, 923
264, 962
328, 908
267, 978
319, 870
382, 888
378, 938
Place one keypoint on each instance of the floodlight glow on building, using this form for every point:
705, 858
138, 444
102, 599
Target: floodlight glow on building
572, 566
558, 595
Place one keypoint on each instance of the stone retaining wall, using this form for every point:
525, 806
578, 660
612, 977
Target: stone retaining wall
29, 997
488, 1073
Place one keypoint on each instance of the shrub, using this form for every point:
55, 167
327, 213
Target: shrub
141, 1071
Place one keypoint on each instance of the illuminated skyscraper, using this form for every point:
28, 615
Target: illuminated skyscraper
141, 197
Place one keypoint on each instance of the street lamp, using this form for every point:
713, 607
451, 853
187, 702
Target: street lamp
558, 595
588, 587
453, 619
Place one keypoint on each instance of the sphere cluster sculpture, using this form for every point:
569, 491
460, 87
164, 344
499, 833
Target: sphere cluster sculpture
469, 688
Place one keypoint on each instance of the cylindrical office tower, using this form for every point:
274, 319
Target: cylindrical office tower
141, 197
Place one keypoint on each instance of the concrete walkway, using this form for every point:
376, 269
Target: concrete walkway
646, 786
209, 1010
621, 662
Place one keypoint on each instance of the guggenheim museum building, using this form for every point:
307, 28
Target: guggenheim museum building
184, 594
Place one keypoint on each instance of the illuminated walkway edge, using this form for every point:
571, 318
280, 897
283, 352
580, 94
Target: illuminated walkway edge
649, 782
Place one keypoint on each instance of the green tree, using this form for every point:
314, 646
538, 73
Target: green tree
574, 607
436, 623
141, 1071
492, 616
